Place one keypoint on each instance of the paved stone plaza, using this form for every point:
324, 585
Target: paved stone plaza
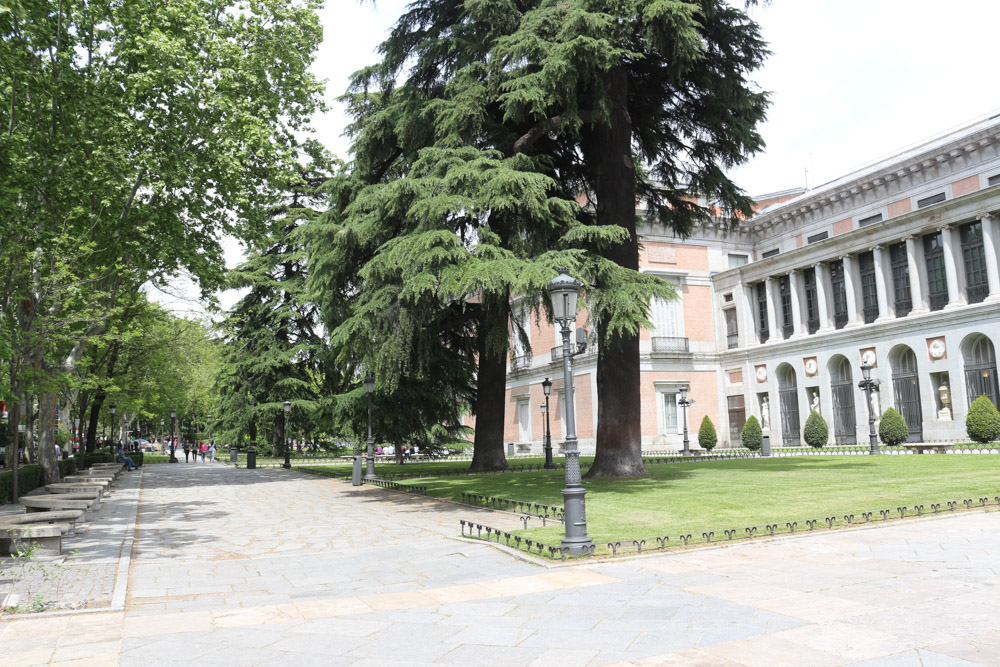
270, 567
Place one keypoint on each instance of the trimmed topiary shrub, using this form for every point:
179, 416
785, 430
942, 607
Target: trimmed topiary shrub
706, 434
893, 430
816, 432
750, 436
983, 421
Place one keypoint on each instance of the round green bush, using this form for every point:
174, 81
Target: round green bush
983, 421
892, 430
706, 434
750, 436
816, 431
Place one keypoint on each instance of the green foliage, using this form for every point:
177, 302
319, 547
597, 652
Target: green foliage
96, 457
982, 423
67, 466
816, 432
892, 430
29, 478
750, 436
707, 437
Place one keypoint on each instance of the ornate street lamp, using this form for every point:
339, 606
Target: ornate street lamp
547, 389
684, 402
162, 424
564, 291
369, 390
868, 385
173, 436
288, 409
210, 429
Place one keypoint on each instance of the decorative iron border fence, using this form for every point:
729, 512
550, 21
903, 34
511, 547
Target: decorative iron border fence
528, 507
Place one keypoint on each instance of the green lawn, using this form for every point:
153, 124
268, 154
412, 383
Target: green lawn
427, 467
716, 495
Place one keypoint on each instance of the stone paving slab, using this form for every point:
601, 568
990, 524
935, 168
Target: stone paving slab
237, 567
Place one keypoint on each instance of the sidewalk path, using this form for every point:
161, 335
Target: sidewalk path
273, 567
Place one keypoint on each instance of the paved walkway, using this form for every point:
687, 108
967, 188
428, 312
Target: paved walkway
273, 567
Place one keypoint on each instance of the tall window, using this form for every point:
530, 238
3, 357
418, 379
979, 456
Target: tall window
977, 287
937, 280
736, 261
737, 418
785, 289
667, 317
869, 288
762, 328
670, 414
839, 293
732, 332
900, 279
812, 305
524, 421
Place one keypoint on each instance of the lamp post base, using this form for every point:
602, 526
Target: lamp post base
549, 463
576, 542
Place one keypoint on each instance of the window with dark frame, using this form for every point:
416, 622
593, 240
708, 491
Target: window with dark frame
839, 289
902, 298
974, 256
869, 286
812, 304
737, 418
785, 290
993, 180
732, 331
762, 329
769, 253
870, 220
930, 201
937, 279
815, 238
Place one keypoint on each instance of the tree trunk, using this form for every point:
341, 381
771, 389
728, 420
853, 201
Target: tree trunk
95, 415
487, 448
608, 151
46, 437
15, 437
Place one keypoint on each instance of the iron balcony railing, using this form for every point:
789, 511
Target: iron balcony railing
520, 362
732, 341
977, 293
670, 344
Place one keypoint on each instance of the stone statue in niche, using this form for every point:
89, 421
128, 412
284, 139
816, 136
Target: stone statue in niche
765, 413
944, 395
876, 404
814, 404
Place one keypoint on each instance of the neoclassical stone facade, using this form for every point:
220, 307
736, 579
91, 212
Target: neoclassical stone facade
896, 264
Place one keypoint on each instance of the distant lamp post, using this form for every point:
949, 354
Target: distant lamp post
370, 465
111, 446
868, 385
209, 420
173, 436
547, 389
564, 292
684, 402
162, 424
288, 462
79, 445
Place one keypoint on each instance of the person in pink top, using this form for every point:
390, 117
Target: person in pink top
204, 450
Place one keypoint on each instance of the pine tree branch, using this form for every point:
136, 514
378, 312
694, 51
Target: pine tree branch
544, 127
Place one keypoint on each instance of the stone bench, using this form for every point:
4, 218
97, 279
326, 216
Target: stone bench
46, 538
103, 482
57, 501
82, 488
921, 447
68, 517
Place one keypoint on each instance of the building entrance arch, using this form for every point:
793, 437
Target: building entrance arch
906, 390
980, 368
845, 425
788, 395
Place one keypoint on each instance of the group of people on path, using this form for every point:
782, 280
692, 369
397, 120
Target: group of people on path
203, 448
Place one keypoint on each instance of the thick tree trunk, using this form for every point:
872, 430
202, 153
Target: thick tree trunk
487, 451
46, 437
608, 150
95, 415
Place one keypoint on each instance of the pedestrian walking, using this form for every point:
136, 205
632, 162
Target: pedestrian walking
211, 451
187, 451
204, 450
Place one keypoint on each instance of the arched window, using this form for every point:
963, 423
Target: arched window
906, 390
980, 369
789, 396
845, 428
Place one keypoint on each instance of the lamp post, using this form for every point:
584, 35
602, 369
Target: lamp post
288, 462
209, 420
867, 384
79, 445
370, 465
564, 292
162, 422
173, 436
113, 410
684, 402
547, 389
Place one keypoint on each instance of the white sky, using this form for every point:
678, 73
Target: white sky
851, 80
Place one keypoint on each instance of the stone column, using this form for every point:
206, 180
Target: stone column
879, 253
916, 276
850, 283
825, 321
774, 334
990, 248
749, 331
948, 245
793, 288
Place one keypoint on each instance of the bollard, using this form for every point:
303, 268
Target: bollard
356, 472
234, 455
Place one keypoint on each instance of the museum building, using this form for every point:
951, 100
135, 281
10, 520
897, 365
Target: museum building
895, 265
